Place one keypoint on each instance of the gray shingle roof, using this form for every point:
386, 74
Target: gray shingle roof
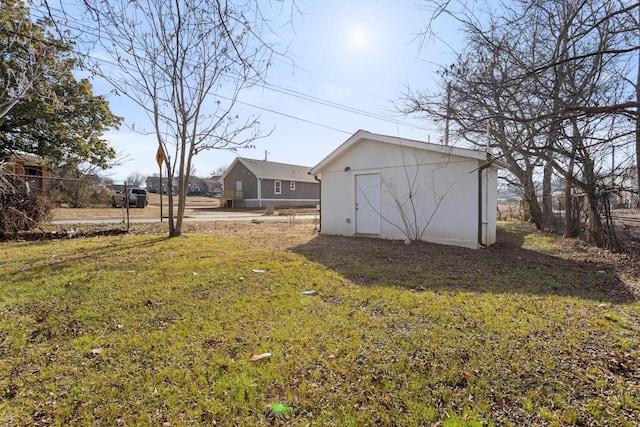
278, 171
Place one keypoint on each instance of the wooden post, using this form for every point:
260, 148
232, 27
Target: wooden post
160, 190
126, 202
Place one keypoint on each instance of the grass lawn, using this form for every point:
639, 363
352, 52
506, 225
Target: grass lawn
139, 329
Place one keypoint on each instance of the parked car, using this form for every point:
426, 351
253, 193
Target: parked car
137, 197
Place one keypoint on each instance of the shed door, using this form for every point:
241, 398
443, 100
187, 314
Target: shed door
368, 203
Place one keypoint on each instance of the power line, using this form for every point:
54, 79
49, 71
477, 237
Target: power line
331, 104
320, 76
285, 115
305, 97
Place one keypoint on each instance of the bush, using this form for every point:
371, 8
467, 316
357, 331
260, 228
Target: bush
22, 205
100, 197
81, 192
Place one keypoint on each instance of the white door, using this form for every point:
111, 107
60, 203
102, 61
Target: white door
368, 203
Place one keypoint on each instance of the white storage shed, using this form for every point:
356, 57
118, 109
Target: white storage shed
397, 188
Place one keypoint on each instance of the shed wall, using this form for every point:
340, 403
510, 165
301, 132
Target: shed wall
443, 207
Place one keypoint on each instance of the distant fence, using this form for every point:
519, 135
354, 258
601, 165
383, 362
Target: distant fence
619, 210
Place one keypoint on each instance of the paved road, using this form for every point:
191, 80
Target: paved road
197, 217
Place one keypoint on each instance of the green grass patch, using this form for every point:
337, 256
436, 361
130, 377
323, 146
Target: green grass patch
145, 330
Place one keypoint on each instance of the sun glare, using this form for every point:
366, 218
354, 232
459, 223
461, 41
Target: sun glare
358, 38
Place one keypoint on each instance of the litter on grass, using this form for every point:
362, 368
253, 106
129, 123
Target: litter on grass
307, 293
259, 357
280, 409
257, 271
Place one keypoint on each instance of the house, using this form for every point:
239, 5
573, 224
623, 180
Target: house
153, 183
261, 183
29, 169
395, 188
214, 185
206, 187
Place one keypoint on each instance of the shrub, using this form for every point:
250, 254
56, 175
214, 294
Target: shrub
23, 205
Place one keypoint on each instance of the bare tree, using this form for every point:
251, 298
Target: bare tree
485, 105
219, 171
135, 179
185, 64
549, 82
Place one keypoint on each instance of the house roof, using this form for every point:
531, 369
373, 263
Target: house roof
362, 135
274, 170
25, 159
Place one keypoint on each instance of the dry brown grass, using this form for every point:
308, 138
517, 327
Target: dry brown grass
151, 211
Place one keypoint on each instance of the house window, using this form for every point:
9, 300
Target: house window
292, 186
277, 187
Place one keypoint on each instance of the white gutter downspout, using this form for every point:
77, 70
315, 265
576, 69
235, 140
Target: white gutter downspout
259, 181
483, 225
481, 242
483, 220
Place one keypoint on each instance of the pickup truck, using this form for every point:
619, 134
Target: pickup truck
133, 194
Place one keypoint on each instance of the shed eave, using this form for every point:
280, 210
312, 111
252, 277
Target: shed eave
362, 135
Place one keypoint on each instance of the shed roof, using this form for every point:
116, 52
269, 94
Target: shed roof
274, 170
362, 135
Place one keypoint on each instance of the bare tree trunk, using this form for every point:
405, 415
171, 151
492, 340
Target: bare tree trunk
547, 200
638, 129
595, 230
569, 216
171, 221
531, 198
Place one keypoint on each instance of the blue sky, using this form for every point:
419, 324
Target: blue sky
357, 54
